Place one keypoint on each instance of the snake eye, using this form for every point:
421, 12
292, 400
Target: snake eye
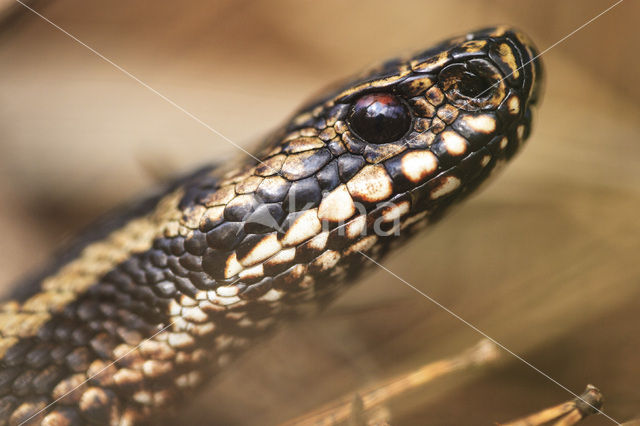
379, 118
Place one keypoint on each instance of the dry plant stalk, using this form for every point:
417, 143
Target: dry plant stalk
565, 414
366, 406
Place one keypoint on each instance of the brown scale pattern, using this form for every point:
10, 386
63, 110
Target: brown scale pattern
139, 318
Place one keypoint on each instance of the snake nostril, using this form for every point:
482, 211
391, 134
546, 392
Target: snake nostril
473, 86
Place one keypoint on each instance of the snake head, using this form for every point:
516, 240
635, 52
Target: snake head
433, 125
373, 157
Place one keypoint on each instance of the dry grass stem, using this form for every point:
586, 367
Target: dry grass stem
366, 406
565, 414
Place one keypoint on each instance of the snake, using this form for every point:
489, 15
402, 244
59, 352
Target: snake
156, 298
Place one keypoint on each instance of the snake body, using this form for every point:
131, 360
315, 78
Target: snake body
150, 303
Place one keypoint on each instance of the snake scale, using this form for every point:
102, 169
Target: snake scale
154, 300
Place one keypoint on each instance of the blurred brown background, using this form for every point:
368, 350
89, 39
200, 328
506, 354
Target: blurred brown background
545, 260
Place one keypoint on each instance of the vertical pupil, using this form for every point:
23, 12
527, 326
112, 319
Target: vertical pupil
379, 118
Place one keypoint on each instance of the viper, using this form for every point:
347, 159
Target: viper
154, 299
